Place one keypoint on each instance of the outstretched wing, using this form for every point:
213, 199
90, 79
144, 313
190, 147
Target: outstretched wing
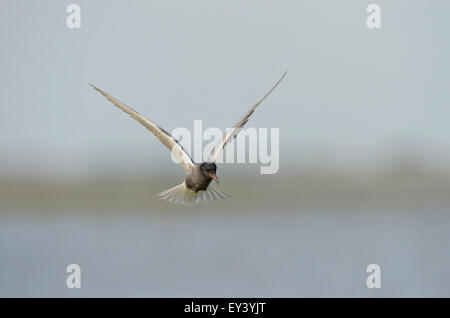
185, 160
233, 132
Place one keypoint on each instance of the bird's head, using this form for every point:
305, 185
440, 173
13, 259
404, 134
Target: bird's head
209, 170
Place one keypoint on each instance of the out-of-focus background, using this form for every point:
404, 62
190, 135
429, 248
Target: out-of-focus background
364, 148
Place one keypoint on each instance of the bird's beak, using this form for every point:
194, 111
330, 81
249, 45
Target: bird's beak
212, 175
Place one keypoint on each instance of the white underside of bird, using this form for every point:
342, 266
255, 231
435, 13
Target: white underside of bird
182, 195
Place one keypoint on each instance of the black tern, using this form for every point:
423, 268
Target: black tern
196, 186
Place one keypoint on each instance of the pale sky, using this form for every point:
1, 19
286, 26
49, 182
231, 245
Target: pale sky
353, 96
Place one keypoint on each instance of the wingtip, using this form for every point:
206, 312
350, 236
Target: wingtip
96, 88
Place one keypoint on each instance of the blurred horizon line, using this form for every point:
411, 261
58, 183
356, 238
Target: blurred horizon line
132, 162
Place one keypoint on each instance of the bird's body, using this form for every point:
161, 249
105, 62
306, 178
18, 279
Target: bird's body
197, 180
196, 186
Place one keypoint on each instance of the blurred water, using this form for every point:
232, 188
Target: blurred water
216, 254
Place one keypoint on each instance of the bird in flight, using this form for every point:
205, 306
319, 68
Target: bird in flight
196, 186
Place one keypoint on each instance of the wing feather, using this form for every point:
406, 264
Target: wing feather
233, 132
167, 139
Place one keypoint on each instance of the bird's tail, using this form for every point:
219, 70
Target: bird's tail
182, 195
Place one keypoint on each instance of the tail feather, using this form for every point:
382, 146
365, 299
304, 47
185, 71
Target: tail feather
182, 195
